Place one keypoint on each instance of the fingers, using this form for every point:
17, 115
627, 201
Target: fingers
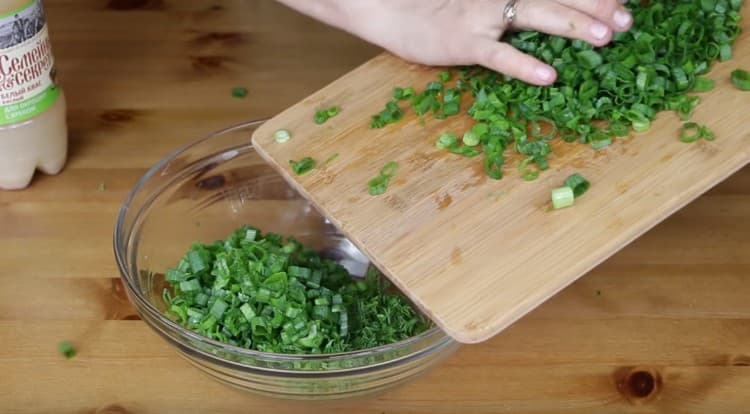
609, 12
554, 17
593, 21
504, 58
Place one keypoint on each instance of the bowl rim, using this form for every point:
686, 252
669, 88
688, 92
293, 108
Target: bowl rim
143, 305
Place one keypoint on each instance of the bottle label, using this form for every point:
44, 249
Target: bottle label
27, 68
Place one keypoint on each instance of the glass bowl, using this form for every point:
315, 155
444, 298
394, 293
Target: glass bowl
202, 192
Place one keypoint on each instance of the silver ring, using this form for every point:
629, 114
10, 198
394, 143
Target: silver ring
509, 13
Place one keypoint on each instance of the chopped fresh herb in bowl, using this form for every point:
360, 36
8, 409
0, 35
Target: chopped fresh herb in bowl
254, 298
272, 294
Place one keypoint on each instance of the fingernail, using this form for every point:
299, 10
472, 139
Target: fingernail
598, 30
622, 18
545, 73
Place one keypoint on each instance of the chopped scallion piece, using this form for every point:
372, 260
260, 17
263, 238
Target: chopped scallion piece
302, 166
526, 173
281, 136
239, 92
741, 79
641, 126
691, 132
379, 184
703, 84
389, 170
324, 115
446, 140
562, 197
66, 349
398, 94
725, 52
578, 184
470, 138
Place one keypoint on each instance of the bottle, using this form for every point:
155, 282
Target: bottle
33, 128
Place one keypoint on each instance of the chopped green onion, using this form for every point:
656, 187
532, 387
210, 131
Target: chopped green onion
703, 84
618, 129
708, 135
641, 126
392, 113
562, 197
450, 108
492, 165
589, 59
470, 138
281, 136
66, 349
578, 184
190, 285
623, 84
389, 170
445, 76
239, 92
725, 52
691, 132
102, 187
379, 184
526, 173
292, 302
217, 310
324, 115
434, 87
466, 151
602, 143
398, 94
446, 140
536, 129
247, 311
302, 166
741, 79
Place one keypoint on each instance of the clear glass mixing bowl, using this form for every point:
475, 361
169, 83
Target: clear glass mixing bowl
202, 192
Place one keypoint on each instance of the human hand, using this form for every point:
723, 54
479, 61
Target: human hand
466, 32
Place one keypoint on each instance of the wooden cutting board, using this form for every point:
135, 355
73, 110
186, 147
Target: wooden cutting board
477, 254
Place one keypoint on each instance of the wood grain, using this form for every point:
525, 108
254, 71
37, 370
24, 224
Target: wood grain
476, 262
672, 304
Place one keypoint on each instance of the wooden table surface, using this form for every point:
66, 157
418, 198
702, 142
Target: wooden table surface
661, 327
